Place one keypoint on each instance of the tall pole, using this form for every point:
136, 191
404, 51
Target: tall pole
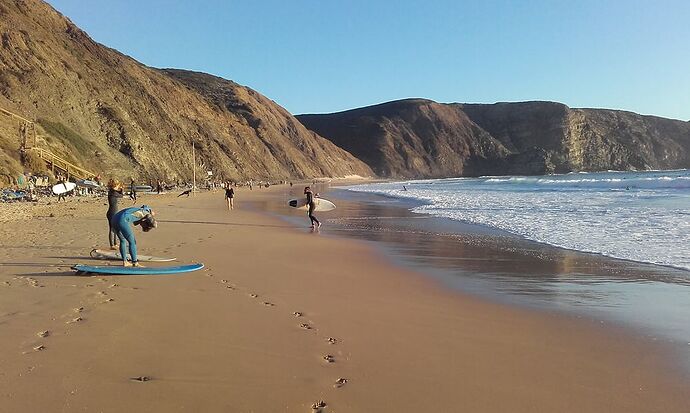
193, 169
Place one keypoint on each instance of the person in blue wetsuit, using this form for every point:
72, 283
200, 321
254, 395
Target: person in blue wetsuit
142, 216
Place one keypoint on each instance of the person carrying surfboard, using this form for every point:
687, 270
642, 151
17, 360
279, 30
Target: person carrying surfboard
312, 206
114, 195
62, 195
142, 216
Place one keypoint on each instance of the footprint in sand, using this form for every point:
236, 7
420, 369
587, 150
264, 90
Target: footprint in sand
141, 379
297, 314
40, 348
78, 309
43, 333
268, 304
340, 383
253, 295
331, 340
305, 326
75, 320
109, 300
329, 358
318, 406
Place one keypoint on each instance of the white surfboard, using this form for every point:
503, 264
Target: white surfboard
322, 205
64, 188
115, 255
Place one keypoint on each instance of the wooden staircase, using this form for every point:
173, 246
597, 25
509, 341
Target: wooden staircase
58, 164
27, 142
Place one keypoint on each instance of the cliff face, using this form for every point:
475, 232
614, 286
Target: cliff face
409, 138
527, 138
586, 139
119, 117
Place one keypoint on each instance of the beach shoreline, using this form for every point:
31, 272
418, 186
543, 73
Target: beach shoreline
251, 332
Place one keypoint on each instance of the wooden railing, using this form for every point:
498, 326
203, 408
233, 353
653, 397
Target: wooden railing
66, 167
27, 129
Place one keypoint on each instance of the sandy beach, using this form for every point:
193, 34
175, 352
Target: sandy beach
281, 319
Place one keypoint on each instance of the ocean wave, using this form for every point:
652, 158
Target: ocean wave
639, 216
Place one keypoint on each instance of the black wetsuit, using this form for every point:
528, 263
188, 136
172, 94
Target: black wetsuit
113, 198
312, 207
229, 193
133, 193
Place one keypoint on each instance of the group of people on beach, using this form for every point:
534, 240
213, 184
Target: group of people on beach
120, 222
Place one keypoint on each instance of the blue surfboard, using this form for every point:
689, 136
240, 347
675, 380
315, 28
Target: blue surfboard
117, 270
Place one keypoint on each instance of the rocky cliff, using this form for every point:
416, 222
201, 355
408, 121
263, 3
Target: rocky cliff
116, 116
422, 138
410, 138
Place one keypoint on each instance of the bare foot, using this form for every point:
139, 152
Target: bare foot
136, 264
115, 247
126, 264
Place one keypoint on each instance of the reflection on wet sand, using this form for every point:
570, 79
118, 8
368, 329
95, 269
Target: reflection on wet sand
507, 268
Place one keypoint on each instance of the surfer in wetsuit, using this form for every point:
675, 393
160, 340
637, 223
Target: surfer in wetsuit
133, 191
114, 195
312, 206
62, 195
137, 216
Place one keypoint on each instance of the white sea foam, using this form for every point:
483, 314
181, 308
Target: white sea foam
640, 216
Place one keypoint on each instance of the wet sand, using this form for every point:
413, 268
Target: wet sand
652, 299
276, 320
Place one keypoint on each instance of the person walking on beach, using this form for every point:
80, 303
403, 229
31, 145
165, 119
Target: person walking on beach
230, 196
142, 216
62, 196
114, 196
132, 191
311, 204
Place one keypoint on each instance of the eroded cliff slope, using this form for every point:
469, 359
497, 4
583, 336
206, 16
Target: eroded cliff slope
422, 138
117, 116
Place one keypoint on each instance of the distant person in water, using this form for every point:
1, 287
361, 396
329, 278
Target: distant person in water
404, 189
230, 196
142, 216
311, 204
114, 196
187, 192
132, 191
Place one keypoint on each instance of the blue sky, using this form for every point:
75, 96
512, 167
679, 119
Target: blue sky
323, 56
